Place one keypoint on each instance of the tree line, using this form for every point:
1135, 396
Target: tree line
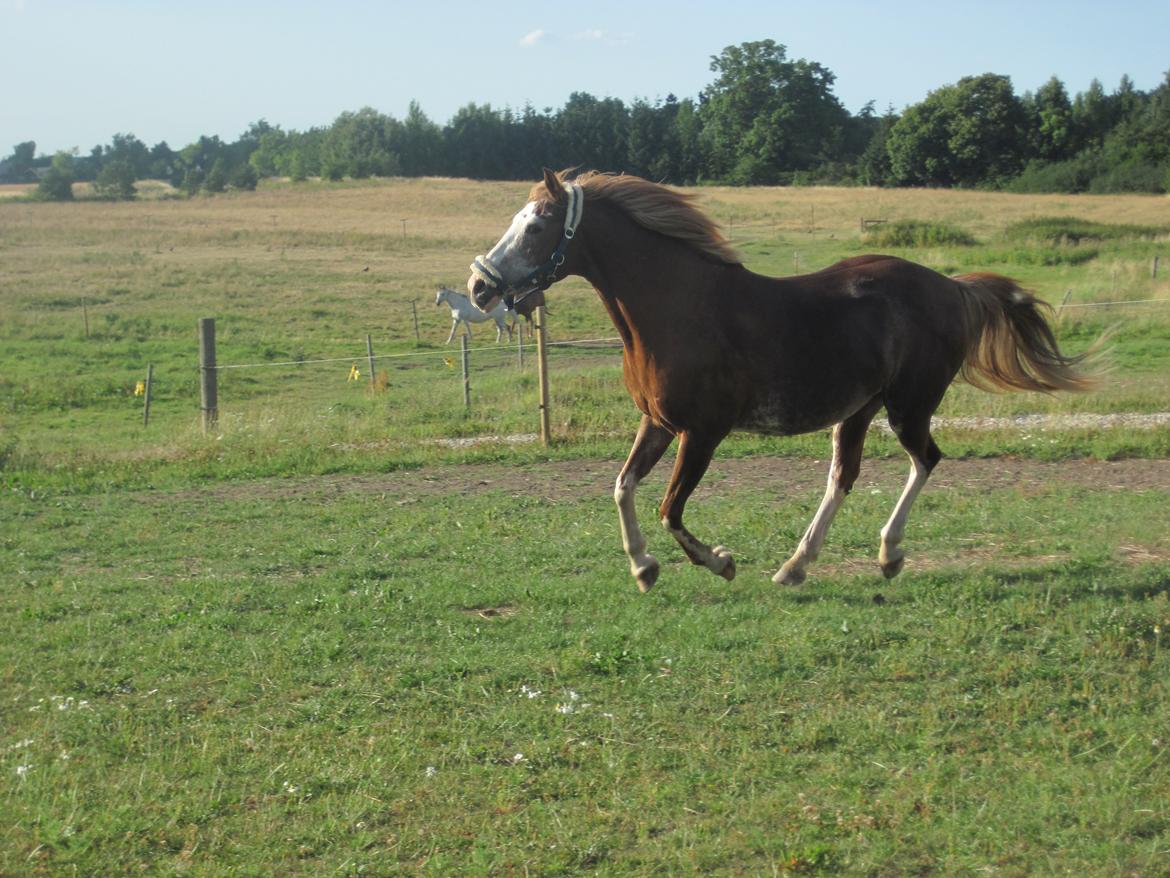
764, 119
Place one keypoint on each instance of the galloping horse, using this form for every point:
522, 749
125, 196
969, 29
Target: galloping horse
711, 347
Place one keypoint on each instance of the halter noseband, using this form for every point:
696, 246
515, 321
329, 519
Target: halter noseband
544, 276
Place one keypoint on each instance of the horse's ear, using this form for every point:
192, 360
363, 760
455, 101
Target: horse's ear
553, 184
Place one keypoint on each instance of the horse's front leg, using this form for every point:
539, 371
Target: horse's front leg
694, 456
454, 326
648, 448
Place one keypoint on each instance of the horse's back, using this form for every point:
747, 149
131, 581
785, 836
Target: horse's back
817, 347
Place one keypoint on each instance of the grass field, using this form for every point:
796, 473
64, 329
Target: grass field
320, 642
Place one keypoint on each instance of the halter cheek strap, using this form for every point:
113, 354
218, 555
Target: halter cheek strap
544, 276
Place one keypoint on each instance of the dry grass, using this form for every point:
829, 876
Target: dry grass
838, 211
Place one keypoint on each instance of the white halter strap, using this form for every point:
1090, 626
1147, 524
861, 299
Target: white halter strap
484, 269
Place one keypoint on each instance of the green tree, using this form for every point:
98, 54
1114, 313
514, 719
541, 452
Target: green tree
244, 177
57, 183
1051, 121
593, 132
476, 142
1091, 116
358, 146
116, 181
646, 138
419, 143
128, 149
873, 165
217, 177
765, 116
164, 164
18, 167
963, 134
688, 161
192, 181
196, 160
270, 153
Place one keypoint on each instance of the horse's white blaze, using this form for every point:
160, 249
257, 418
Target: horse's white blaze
505, 255
895, 528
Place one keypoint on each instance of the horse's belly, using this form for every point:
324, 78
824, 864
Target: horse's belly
781, 414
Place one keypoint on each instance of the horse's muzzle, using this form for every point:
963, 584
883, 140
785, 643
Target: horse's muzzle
482, 296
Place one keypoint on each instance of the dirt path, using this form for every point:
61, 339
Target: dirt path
782, 476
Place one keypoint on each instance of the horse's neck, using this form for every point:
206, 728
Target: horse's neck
643, 278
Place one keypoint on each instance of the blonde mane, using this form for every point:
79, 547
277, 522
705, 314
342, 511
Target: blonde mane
659, 209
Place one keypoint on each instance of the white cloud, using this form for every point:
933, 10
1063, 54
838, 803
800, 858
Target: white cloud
532, 38
606, 37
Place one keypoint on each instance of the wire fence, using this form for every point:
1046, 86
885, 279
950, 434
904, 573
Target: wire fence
499, 374
603, 341
410, 376
497, 349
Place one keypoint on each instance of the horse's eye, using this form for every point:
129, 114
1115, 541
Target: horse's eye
532, 229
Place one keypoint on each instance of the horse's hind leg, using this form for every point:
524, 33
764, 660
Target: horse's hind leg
848, 441
914, 434
648, 448
694, 456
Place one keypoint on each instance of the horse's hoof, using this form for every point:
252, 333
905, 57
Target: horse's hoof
647, 575
890, 569
728, 571
790, 574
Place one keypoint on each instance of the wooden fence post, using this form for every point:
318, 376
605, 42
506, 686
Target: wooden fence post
146, 394
414, 311
1154, 268
370, 357
208, 390
542, 369
85, 314
466, 373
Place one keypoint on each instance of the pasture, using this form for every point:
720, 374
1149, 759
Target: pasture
318, 641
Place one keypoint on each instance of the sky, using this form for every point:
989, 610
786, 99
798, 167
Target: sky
73, 73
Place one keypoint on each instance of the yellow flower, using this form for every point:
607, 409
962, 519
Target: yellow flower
140, 388
354, 374
450, 363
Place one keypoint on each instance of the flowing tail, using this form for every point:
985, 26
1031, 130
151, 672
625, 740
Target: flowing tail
1011, 344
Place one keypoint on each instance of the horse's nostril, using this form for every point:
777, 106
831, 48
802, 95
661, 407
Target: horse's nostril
477, 287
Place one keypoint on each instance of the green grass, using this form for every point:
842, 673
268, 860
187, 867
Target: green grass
304, 679
304, 644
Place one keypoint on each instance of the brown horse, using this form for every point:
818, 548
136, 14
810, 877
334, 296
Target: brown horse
711, 347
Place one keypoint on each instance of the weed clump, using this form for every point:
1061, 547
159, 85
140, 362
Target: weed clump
1067, 230
916, 233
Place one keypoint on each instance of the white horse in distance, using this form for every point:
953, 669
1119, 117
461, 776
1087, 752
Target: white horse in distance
462, 311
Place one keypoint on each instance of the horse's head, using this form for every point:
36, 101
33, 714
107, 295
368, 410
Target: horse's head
441, 295
526, 260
